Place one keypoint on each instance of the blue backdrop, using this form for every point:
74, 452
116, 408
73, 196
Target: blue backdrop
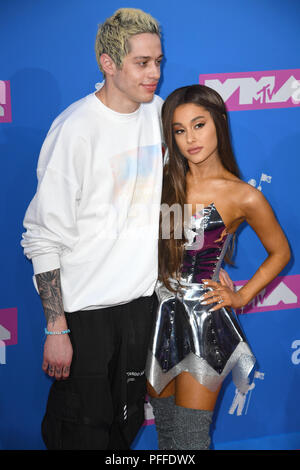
47, 62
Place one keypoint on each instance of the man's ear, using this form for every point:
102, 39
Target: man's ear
108, 65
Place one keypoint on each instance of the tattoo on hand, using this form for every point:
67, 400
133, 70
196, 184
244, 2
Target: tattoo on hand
50, 292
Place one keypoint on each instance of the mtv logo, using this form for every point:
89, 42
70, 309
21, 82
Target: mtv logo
9, 326
281, 294
4, 333
149, 417
242, 400
256, 90
2, 352
5, 101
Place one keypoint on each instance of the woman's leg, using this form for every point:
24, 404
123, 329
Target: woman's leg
163, 409
191, 394
193, 413
183, 413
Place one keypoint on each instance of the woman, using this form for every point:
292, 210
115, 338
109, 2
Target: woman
197, 339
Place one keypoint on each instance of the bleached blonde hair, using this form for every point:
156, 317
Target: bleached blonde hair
113, 35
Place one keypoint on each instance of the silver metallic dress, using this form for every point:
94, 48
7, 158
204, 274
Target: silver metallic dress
186, 336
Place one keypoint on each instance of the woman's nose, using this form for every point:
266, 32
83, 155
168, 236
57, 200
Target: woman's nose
190, 136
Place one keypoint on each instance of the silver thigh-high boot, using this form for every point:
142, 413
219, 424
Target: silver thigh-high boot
163, 410
191, 429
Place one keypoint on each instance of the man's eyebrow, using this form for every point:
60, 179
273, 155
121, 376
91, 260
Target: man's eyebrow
147, 57
194, 119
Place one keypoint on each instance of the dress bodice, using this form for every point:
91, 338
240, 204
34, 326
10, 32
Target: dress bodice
208, 240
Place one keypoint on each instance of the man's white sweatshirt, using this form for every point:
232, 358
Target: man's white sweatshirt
95, 213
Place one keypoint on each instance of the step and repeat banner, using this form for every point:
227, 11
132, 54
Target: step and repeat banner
249, 51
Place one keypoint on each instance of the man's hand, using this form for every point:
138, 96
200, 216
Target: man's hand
58, 354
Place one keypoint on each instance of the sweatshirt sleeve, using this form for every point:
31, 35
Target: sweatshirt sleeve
50, 220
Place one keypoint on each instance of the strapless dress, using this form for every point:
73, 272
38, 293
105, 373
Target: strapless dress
186, 336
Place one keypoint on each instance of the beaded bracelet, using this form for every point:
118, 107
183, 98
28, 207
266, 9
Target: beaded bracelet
56, 332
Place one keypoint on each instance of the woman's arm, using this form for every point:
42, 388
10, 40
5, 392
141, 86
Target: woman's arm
259, 215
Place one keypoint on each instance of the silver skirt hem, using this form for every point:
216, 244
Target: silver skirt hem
240, 363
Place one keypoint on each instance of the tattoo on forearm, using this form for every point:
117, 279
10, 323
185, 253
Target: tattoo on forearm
50, 293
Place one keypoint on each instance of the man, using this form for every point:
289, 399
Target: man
91, 232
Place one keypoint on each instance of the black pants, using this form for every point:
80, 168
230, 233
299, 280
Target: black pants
101, 404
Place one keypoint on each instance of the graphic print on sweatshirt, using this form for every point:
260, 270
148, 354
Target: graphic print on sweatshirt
136, 192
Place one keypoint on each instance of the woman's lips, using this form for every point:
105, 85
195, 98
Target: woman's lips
194, 150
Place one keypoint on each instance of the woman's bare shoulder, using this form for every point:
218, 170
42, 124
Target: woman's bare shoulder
244, 193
